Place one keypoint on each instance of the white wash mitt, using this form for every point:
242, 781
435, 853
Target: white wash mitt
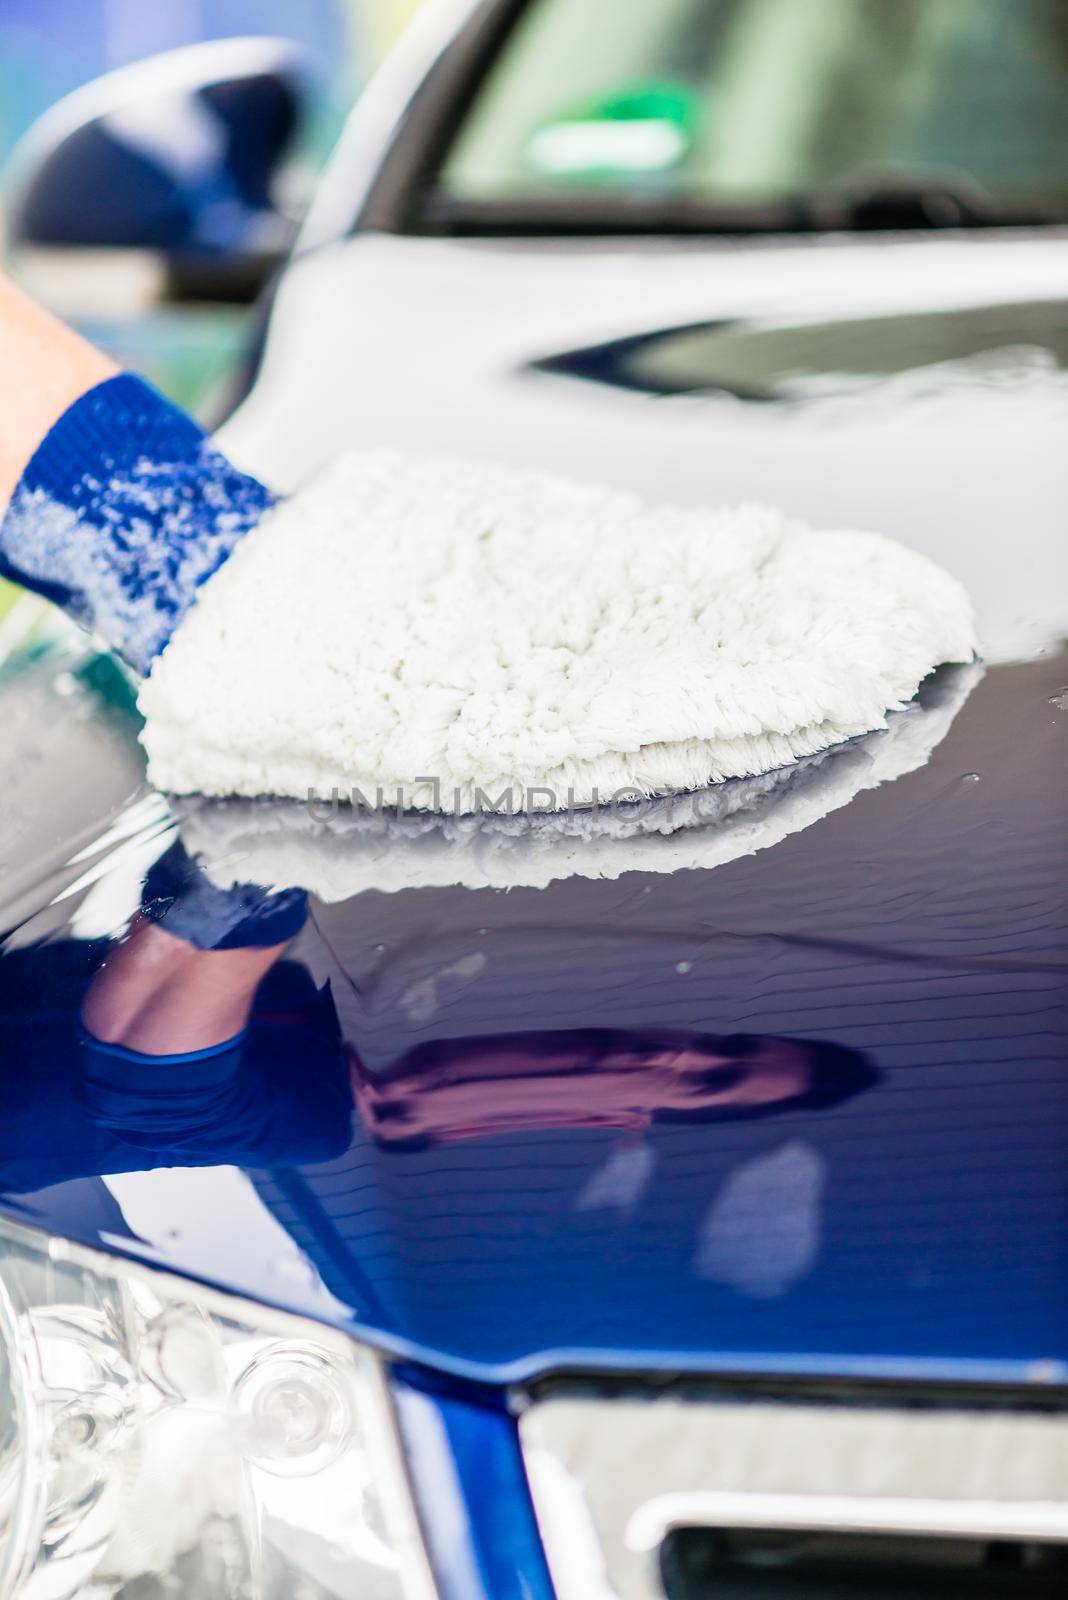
446, 632
335, 851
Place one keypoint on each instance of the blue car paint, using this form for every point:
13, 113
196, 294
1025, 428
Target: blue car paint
471, 1490
923, 925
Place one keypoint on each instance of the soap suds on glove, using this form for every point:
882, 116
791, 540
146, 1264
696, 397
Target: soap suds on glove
124, 509
446, 631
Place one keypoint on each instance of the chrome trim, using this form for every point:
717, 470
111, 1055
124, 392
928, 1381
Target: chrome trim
611, 1477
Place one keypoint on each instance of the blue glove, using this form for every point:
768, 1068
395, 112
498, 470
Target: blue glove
124, 510
180, 897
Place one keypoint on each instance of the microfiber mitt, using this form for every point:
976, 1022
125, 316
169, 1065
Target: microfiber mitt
337, 851
449, 635
439, 633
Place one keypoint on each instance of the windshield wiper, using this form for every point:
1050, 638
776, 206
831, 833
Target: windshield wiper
880, 204
889, 203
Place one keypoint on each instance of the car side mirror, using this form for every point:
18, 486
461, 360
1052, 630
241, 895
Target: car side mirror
176, 155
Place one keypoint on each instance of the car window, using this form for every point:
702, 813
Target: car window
748, 103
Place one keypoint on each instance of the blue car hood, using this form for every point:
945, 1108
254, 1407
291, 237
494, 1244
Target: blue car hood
912, 1223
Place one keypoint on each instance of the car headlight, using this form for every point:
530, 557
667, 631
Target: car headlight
160, 1438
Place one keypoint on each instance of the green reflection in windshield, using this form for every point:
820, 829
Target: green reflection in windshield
643, 128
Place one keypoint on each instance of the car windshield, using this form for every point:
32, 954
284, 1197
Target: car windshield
766, 113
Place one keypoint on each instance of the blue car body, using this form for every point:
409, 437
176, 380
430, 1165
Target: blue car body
923, 925
909, 1237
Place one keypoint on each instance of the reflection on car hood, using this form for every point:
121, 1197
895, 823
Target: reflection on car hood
480, 1211
911, 386
337, 850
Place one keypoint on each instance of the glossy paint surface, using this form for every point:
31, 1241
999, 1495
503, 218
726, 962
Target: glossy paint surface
470, 1484
927, 402
917, 1227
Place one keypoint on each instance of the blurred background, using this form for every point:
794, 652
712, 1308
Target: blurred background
48, 48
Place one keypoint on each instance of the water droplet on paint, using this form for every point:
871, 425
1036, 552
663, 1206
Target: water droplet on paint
970, 777
684, 967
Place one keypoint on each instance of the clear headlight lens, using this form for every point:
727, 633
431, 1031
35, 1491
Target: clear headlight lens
159, 1439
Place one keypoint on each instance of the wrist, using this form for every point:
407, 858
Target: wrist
47, 367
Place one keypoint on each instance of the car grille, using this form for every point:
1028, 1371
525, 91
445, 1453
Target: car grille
706, 1499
